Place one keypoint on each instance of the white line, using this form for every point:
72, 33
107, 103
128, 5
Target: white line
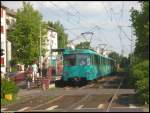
52, 86
126, 107
23, 109
79, 107
132, 106
90, 108
55, 99
2, 109
101, 106
52, 107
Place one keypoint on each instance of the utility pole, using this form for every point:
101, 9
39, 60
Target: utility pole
40, 52
131, 47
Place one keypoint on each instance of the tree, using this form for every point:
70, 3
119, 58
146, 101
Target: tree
62, 36
139, 69
115, 56
122, 61
140, 23
25, 34
83, 45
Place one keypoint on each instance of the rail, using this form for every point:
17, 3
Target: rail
114, 96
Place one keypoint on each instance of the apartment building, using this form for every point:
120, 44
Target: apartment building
7, 19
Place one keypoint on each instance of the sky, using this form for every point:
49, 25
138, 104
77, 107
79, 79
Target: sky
102, 18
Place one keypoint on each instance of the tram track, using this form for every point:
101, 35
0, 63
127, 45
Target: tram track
90, 100
83, 102
114, 96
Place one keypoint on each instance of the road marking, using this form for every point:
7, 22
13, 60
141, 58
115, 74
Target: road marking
52, 86
2, 109
132, 106
52, 107
79, 107
23, 109
55, 99
125, 107
100, 106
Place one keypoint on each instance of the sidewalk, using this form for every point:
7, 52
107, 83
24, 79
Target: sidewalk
26, 92
34, 91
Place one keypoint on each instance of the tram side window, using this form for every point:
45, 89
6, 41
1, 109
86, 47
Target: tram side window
93, 60
99, 60
96, 59
103, 60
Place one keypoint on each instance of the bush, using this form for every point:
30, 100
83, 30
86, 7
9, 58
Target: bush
8, 86
13, 62
139, 74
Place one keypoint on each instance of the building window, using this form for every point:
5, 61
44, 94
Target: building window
1, 12
2, 29
7, 22
2, 61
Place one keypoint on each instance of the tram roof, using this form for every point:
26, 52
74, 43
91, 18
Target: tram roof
77, 51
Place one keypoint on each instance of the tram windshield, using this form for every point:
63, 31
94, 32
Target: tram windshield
70, 60
83, 59
77, 59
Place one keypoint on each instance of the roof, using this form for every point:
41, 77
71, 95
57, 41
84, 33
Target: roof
77, 51
51, 28
9, 11
2, 6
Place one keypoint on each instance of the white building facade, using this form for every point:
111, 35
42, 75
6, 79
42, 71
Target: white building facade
7, 19
51, 43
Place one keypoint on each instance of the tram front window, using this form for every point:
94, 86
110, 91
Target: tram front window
70, 60
83, 59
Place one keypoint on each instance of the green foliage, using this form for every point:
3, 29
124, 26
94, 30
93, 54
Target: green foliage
8, 86
139, 69
83, 45
13, 62
140, 23
25, 34
140, 79
115, 56
62, 36
123, 61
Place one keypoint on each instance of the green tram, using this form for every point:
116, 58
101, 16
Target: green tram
82, 65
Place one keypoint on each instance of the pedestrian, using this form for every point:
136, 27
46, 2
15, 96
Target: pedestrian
35, 70
45, 81
44, 70
29, 76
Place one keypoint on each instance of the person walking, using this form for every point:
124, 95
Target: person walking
35, 70
29, 76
